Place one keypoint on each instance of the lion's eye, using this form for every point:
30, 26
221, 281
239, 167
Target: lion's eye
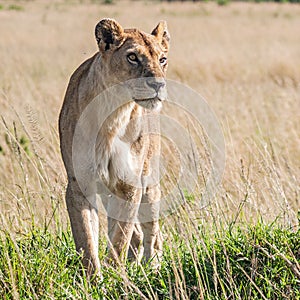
132, 58
163, 61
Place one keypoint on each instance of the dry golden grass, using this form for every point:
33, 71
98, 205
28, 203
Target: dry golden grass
243, 58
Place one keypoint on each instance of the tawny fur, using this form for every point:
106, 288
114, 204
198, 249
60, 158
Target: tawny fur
124, 147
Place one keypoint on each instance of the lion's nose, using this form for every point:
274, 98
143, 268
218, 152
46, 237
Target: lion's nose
156, 84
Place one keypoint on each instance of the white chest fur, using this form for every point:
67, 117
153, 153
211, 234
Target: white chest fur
117, 159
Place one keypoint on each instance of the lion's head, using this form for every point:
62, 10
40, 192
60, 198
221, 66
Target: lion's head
135, 58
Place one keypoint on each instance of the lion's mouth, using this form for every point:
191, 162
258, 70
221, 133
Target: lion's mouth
147, 99
149, 103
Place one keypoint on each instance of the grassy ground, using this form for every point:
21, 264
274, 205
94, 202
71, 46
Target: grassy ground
244, 59
255, 262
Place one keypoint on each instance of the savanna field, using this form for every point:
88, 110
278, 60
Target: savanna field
244, 59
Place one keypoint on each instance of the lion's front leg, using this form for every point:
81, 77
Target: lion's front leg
122, 212
83, 215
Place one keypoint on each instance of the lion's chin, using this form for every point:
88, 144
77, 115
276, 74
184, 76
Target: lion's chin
151, 103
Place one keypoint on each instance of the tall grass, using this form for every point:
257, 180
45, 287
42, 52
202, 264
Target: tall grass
243, 245
222, 261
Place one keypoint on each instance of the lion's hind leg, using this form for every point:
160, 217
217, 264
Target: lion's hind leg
83, 215
136, 248
149, 217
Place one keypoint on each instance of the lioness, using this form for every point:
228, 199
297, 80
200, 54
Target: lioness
124, 147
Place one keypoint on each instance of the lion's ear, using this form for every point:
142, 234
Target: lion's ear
162, 34
108, 32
